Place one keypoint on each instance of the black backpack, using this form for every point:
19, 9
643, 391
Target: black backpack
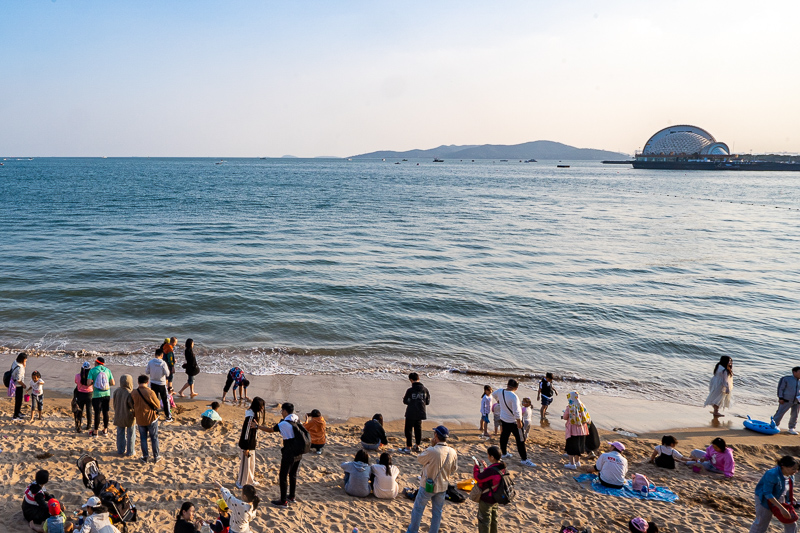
301, 443
7, 378
504, 493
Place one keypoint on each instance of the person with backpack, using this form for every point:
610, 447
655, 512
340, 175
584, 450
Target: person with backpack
511, 418
248, 440
16, 377
296, 442
85, 391
57, 521
145, 409
416, 399
101, 380
489, 481
439, 462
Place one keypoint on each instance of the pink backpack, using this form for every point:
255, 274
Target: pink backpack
638, 481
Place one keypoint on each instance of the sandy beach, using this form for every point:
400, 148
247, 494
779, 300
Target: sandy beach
548, 494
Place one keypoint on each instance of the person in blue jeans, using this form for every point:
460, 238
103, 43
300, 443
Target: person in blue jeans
145, 407
439, 463
124, 416
775, 487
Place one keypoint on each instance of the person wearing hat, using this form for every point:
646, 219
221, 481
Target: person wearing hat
84, 395
612, 467
439, 462
223, 522
57, 522
101, 396
96, 520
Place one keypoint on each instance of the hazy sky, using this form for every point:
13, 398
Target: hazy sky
268, 78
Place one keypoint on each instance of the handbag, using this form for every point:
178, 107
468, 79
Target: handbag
788, 506
476, 493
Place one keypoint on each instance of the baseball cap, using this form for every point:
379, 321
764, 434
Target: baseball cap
54, 507
442, 431
221, 505
85, 364
94, 501
618, 445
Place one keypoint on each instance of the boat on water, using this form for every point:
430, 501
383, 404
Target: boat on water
438, 160
531, 161
220, 162
562, 166
504, 160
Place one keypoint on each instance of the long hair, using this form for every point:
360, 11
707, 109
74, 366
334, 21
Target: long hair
386, 460
185, 507
723, 362
85, 376
259, 409
362, 457
250, 496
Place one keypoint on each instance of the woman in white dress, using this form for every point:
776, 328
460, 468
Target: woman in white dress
721, 386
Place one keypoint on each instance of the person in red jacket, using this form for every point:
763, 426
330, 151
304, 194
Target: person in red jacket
488, 480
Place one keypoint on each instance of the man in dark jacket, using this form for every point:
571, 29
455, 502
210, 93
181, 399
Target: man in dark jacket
416, 399
788, 390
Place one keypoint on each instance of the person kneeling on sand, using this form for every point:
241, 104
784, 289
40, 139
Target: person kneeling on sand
96, 520
374, 436
210, 417
717, 458
439, 463
315, 424
356, 475
612, 467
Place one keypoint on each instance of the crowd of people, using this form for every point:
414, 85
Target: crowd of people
143, 405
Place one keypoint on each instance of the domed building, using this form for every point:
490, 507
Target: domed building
685, 147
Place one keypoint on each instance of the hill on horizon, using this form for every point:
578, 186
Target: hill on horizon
528, 150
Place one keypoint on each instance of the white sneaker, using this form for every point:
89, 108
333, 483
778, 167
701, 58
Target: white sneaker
507, 455
570, 466
792, 432
527, 462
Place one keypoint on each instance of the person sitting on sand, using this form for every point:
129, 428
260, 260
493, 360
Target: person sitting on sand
191, 367
664, 456
612, 467
374, 436
356, 475
223, 522
243, 511
96, 520
383, 478
717, 458
57, 521
236, 378
210, 417
185, 522
774, 489
720, 389
640, 525
34, 502
315, 424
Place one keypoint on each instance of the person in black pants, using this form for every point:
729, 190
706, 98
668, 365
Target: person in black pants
416, 399
511, 419
84, 398
18, 377
290, 463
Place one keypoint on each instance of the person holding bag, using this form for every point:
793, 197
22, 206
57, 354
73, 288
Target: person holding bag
488, 480
775, 497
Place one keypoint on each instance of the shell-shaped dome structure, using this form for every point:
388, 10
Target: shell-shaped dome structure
684, 140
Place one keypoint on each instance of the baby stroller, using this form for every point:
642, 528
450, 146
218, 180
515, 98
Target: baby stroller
112, 495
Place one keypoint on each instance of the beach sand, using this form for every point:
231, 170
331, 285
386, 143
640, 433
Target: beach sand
547, 495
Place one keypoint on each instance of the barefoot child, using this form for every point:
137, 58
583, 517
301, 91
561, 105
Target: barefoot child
546, 392
486, 408
665, 455
37, 393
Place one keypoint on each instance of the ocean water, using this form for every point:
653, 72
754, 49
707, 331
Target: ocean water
627, 281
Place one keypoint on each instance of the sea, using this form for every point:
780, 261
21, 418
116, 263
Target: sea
619, 281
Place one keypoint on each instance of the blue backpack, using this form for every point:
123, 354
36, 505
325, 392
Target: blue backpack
55, 524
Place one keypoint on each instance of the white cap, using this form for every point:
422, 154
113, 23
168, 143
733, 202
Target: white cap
94, 501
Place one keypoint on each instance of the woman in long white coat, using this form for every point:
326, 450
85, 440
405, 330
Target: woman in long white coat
720, 389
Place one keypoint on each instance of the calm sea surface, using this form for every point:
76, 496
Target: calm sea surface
634, 281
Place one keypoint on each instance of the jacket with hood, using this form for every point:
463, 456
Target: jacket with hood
316, 429
98, 523
124, 414
416, 399
358, 481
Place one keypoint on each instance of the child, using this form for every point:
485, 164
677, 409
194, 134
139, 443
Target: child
527, 415
546, 392
486, 408
497, 421
316, 429
36, 393
210, 417
664, 456
223, 523
57, 520
77, 412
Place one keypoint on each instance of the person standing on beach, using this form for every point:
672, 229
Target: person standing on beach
158, 371
124, 416
290, 461
248, 440
84, 396
511, 420
101, 380
439, 462
168, 348
18, 378
720, 388
788, 391
775, 488
191, 369
416, 399
145, 410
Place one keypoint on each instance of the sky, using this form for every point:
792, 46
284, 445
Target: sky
337, 78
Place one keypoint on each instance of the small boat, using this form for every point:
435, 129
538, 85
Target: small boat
504, 160
384, 159
531, 161
562, 166
220, 162
397, 162
438, 160
405, 159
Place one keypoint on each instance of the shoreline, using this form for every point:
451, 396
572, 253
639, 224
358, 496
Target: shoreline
345, 397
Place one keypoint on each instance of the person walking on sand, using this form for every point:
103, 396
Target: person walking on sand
145, 409
191, 367
439, 463
101, 380
158, 371
125, 416
720, 388
788, 390
248, 440
775, 488
416, 399
511, 420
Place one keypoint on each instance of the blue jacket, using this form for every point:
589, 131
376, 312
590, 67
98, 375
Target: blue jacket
771, 485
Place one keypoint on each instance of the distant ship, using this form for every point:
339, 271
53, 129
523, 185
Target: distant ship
438, 160
531, 161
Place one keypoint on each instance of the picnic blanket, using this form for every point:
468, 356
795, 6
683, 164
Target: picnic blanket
661, 494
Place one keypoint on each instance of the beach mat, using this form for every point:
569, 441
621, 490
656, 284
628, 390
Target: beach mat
661, 494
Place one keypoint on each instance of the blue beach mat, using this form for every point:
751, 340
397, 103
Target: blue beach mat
661, 494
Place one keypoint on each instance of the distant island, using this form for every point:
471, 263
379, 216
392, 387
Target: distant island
529, 150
